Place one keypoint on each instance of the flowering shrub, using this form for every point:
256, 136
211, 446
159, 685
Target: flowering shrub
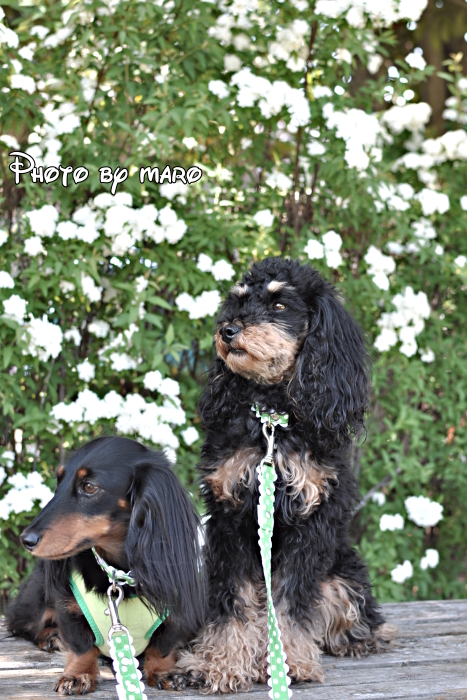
109, 282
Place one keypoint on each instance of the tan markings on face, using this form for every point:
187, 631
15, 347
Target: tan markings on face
82, 472
235, 472
231, 655
268, 353
69, 534
122, 503
306, 481
276, 286
155, 663
60, 471
239, 290
339, 615
80, 673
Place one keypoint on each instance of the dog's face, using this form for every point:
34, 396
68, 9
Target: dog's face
90, 508
261, 328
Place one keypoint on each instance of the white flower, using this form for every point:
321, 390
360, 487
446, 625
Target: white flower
169, 387
3, 237
33, 246
279, 181
315, 148
402, 572
218, 88
170, 190
67, 230
6, 280
427, 355
433, 201
412, 117
314, 249
74, 335
320, 91
122, 361
391, 522
45, 338
431, 559
8, 457
245, 143
204, 263
15, 308
423, 511
10, 142
8, 37
25, 492
332, 244
360, 131
190, 142
90, 289
264, 217
463, 202
190, 435
232, 63
379, 266
222, 270
42, 221
460, 260
140, 284
19, 81
374, 63
206, 304
152, 380
395, 247
86, 371
415, 60
379, 497
343, 56
99, 328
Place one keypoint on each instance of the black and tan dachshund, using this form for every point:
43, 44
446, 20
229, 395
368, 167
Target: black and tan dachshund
116, 495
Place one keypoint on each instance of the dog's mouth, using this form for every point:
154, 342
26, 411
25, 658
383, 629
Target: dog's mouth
236, 351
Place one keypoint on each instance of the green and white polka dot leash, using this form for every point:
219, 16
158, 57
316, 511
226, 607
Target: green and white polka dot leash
125, 663
277, 669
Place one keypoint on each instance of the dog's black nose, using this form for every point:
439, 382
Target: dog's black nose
29, 540
229, 332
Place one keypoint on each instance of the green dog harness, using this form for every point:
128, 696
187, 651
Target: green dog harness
132, 612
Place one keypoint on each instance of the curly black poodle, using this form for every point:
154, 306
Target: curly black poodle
284, 342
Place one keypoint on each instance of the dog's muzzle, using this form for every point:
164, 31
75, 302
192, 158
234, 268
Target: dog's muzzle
229, 332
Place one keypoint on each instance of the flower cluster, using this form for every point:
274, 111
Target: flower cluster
361, 132
423, 511
206, 304
220, 270
408, 320
44, 338
381, 14
379, 266
273, 97
25, 492
329, 248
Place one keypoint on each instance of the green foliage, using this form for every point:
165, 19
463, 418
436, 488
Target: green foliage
133, 80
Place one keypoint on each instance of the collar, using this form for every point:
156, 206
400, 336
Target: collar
116, 576
272, 417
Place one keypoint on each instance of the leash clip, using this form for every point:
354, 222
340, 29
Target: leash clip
112, 610
269, 458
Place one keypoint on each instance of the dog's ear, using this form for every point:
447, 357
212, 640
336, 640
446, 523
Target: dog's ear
330, 384
162, 544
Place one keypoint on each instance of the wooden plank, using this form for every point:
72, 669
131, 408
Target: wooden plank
428, 660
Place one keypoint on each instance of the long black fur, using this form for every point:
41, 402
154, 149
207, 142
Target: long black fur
158, 533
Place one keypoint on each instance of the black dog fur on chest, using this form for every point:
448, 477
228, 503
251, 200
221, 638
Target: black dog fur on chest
284, 341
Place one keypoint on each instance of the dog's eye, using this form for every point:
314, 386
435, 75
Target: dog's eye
89, 488
278, 306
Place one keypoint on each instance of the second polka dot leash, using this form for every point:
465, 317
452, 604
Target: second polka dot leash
277, 669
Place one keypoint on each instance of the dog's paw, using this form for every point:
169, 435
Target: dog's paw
76, 685
49, 640
166, 681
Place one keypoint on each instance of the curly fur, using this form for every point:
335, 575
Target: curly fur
285, 341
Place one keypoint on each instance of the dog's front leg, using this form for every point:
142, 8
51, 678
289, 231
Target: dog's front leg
81, 669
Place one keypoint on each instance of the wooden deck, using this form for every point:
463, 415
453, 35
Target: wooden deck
428, 660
